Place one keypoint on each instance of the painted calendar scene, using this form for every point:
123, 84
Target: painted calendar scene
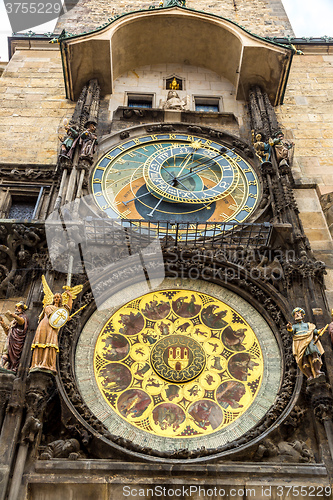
178, 363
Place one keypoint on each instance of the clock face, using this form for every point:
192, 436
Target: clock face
175, 177
178, 367
178, 364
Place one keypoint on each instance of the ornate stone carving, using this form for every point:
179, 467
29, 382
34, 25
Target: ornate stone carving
284, 451
326, 201
263, 117
80, 131
304, 267
160, 128
6, 385
27, 173
37, 394
18, 244
320, 397
124, 135
62, 449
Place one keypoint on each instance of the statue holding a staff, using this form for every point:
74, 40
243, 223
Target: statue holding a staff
307, 349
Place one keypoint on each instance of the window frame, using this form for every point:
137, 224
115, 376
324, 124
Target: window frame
11, 193
210, 100
143, 96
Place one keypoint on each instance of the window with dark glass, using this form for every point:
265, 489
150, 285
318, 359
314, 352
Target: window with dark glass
22, 207
140, 100
207, 104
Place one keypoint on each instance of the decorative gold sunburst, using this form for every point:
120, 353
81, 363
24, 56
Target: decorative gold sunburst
196, 144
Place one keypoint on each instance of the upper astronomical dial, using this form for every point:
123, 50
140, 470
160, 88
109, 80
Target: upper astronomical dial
190, 174
177, 177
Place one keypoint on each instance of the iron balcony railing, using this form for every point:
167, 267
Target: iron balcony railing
177, 234
98, 231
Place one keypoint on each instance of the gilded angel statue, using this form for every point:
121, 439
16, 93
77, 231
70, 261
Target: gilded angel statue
55, 313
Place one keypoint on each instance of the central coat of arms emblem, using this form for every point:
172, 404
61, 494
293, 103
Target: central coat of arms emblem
178, 358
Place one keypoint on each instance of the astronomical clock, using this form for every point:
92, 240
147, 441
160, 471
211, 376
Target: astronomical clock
175, 177
180, 367
191, 364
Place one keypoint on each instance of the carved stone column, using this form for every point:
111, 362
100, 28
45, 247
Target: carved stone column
6, 385
86, 110
321, 399
39, 384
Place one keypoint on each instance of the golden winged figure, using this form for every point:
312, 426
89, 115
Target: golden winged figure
56, 309
48, 294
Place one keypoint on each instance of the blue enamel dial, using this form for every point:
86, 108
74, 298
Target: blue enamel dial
175, 177
168, 173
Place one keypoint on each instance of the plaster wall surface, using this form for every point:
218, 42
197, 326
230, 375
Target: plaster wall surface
263, 17
32, 107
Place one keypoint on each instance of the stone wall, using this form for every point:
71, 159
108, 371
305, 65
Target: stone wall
307, 119
307, 116
32, 107
262, 17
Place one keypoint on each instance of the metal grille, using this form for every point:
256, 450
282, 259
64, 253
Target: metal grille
135, 232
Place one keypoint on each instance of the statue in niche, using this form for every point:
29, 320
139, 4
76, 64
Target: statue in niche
174, 85
283, 149
88, 142
67, 142
262, 149
16, 332
54, 315
175, 102
307, 349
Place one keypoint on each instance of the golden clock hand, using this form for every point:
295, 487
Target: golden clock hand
203, 167
186, 160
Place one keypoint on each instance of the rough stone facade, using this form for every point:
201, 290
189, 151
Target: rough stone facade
33, 106
39, 412
307, 119
262, 17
